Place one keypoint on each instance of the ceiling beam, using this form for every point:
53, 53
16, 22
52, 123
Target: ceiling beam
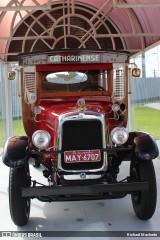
47, 6
8, 54
128, 35
115, 2
25, 38
135, 5
109, 35
23, 8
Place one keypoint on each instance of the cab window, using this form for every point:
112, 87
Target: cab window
74, 81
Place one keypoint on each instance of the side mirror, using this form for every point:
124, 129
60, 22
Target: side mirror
11, 75
136, 72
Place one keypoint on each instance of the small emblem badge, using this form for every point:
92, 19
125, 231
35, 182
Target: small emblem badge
81, 102
83, 175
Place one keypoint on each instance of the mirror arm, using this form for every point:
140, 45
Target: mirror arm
12, 76
134, 64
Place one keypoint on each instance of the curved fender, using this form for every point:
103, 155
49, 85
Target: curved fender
145, 146
15, 152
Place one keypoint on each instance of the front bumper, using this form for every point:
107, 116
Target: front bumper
83, 191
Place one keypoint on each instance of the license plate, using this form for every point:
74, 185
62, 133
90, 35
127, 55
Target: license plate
82, 156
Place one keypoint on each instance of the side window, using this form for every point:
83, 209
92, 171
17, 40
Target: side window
103, 79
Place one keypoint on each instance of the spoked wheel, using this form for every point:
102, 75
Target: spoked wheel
144, 202
19, 206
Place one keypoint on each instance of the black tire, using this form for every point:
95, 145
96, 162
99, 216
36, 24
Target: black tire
144, 202
36, 163
19, 207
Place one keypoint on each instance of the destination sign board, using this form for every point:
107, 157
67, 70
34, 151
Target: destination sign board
66, 57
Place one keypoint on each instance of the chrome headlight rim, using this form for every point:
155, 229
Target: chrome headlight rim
119, 135
43, 136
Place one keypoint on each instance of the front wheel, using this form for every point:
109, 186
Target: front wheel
144, 202
19, 206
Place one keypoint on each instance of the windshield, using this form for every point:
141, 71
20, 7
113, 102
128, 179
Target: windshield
75, 81
67, 77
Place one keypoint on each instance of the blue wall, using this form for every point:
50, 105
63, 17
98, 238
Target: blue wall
145, 89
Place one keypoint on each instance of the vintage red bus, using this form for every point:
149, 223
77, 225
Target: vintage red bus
75, 113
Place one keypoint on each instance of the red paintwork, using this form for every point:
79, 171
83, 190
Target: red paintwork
66, 67
53, 108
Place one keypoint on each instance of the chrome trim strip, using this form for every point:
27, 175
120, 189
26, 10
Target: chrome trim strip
78, 177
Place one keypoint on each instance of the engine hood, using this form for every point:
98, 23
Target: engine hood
52, 109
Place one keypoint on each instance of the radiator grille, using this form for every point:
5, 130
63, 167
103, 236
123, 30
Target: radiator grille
82, 135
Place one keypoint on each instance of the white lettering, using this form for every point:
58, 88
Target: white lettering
89, 156
68, 158
68, 58
75, 58
56, 58
34, 235
92, 157
93, 58
96, 156
97, 58
73, 158
79, 157
85, 157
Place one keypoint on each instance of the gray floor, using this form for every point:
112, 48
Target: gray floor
101, 215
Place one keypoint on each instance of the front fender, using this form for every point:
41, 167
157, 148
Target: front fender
145, 146
15, 152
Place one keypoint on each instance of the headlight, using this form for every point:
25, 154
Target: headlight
119, 135
41, 139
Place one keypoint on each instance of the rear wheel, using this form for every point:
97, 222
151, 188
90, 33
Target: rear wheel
19, 206
144, 202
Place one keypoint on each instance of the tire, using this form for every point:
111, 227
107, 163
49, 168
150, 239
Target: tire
19, 207
36, 163
144, 202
